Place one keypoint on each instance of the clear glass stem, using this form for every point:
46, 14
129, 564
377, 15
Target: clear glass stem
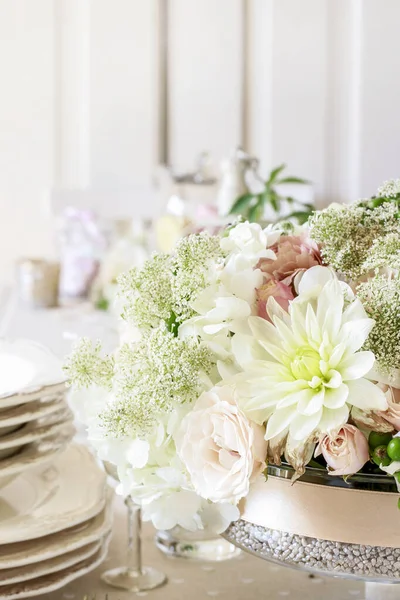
134, 554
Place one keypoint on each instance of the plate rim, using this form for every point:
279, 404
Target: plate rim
32, 394
63, 580
43, 409
20, 437
80, 539
82, 553
54, 524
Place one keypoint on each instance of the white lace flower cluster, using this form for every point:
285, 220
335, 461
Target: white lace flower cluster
243, 348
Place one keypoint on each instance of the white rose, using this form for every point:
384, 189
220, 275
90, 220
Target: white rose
222, 450
249, 241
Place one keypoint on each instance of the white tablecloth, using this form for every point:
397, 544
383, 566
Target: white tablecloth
242, 578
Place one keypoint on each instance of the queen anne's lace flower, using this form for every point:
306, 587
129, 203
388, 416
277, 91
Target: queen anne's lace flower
306, 369
381, 299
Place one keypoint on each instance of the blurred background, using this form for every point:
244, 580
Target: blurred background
107, 105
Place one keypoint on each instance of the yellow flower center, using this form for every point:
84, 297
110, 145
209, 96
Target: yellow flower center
305, 364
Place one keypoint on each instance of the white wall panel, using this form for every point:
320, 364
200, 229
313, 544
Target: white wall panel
72, 88
288, 90
123, 92
380, 93
259, 108
205, 78
81, 91
27, 116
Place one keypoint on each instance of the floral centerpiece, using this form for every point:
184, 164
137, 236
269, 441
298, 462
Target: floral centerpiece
247, 348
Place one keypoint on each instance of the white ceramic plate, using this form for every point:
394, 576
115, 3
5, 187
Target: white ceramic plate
50, 583
45, 393
19, 415
47, 567
34, 454
56, 544
53, 497
33, 431
37, 429
27, 365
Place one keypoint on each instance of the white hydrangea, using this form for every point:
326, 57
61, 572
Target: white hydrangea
225, 305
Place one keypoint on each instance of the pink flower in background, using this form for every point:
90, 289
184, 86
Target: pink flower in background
392, 414
278, 290
293, 254
346, 452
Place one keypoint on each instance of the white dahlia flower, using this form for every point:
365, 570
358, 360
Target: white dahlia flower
307, 370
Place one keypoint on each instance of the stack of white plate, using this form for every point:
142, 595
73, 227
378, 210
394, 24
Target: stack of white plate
55, 524
34, 427
35, 421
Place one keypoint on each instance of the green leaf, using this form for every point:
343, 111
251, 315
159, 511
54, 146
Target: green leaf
241, 204
302, 216
274, 202
293, 180
255, 212
102, 304
275, 172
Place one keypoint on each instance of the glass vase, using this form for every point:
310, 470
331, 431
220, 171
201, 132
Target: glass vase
197, 545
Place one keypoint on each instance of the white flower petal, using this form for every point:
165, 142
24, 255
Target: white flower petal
330, 308
332, 420
336, 355
393, 468
303, 426
357, 365
264, 331
354, 312
366, 395
334, 379
274, 311
312, 327
336, 397
138, 453
246, 349
278, 422
354, 333
314, 279
311, 403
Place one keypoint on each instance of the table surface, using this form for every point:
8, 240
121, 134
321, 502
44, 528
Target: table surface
242, 578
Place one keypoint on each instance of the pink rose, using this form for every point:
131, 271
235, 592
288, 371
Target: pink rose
392, 414
346, 452
293, 254
221, 449
278, 290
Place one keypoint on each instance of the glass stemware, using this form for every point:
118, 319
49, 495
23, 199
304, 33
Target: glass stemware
133, 576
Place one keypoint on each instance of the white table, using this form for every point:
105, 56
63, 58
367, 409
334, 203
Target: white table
243, 578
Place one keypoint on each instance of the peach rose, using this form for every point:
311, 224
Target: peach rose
346, 452
222, 450
278, 290
293, 254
